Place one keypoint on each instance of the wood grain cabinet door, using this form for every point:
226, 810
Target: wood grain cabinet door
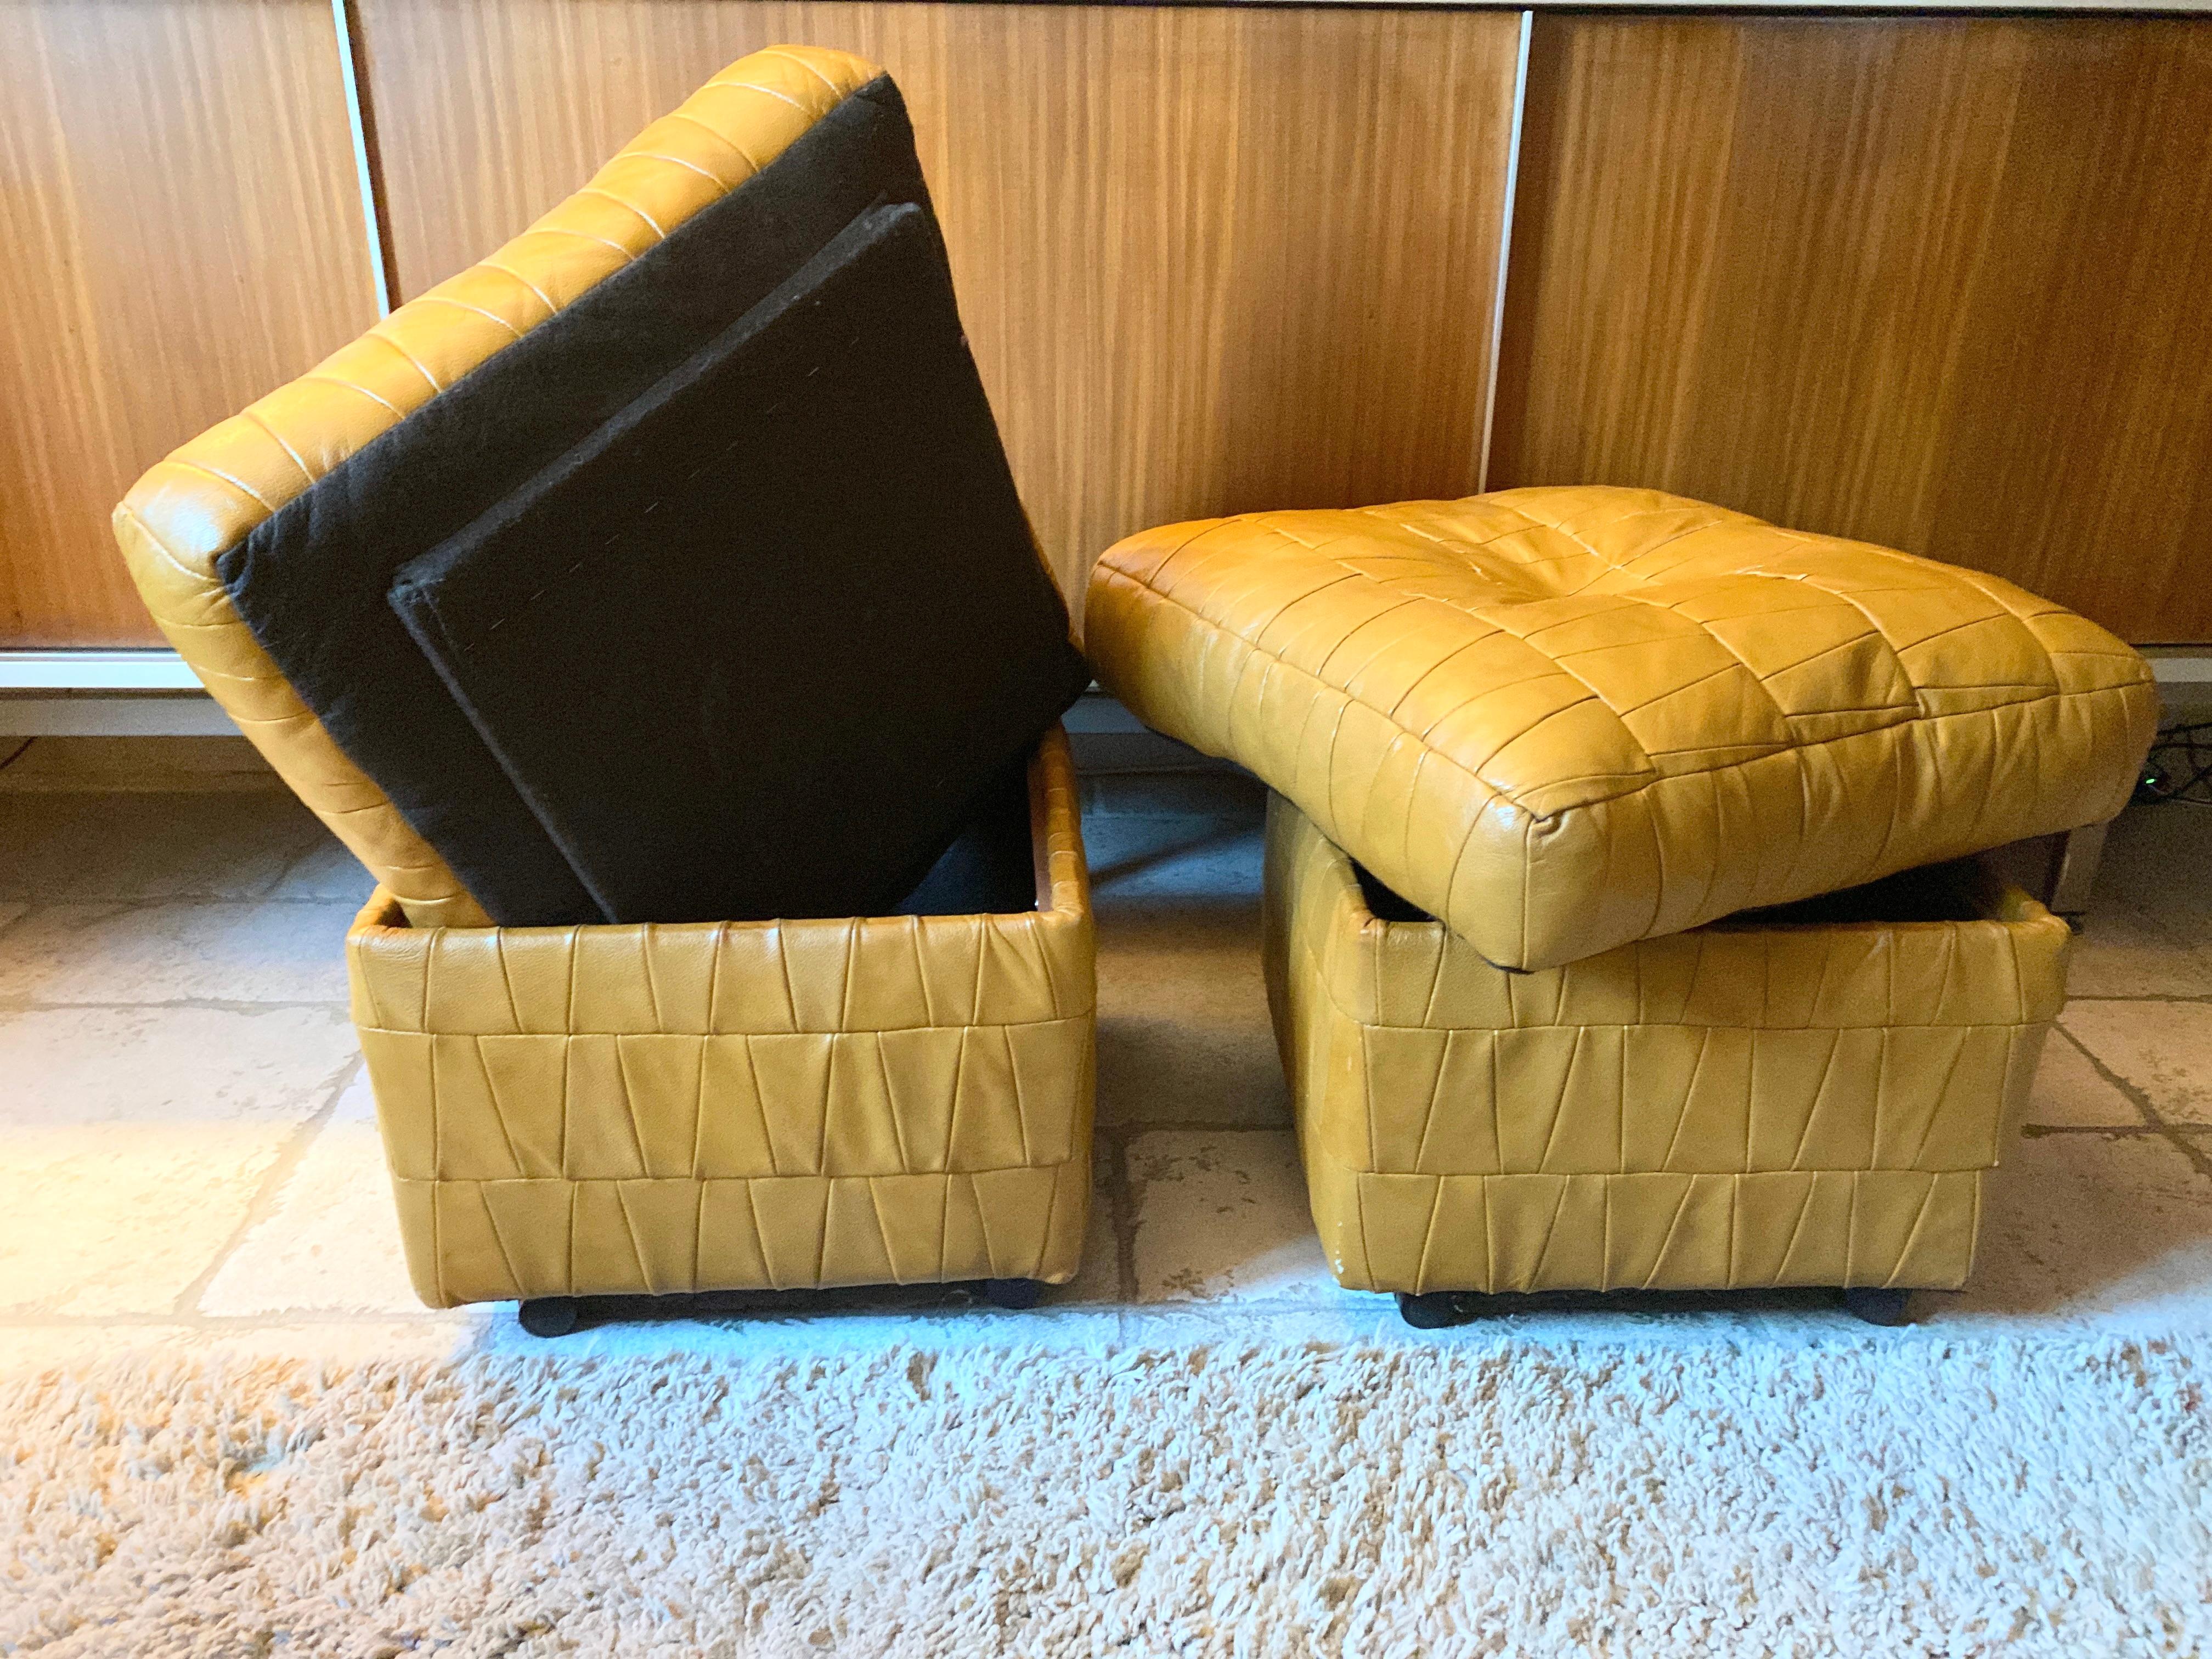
1209, 259
180, 231
1944, 284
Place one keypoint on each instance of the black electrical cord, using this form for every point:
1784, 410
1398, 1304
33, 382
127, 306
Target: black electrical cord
2179, 767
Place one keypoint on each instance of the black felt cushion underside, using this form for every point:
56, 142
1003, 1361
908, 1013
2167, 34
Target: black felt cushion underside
311, 581
758, 645
991, 867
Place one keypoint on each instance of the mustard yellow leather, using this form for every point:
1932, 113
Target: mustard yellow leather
207, 496
606, 1110
1745, 1104
1562, 719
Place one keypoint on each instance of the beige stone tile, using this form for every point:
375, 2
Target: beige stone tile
327, 871
1184, 1036
31, 1349
133, 1141
2158, 862
2149, 931
78, 764
1183, 1033
331, 1241
178, 950
61, 1067
2126, 951
2070, 1093
1170, 866
88, 846
1194, 789
1222, 1216
2105, 1227
2163, 1048
121, 1218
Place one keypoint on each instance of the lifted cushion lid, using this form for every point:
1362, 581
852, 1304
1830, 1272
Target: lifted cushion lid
311, 581
1563, 718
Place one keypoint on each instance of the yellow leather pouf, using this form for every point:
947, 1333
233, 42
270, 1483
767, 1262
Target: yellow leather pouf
574, 1111
1564, 719
606, 1110
1778, 1099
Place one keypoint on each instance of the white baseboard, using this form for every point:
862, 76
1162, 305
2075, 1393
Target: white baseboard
2174, 666
113, 715
151, 694
105, 694
151, 669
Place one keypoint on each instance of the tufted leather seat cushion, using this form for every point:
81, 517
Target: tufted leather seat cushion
1564, 719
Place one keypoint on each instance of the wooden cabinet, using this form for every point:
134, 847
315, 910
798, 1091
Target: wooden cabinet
181, 221
1941, 282
1209, 259
1944, 284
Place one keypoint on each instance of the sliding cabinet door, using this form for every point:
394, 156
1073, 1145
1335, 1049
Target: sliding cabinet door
1209, 259
1940, 283
180, 212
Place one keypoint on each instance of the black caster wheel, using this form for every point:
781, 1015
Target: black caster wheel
551, 1315
1879, 1306
1015, 1293
1434, 1311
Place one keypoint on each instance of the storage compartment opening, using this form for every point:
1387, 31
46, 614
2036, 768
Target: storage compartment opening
1386, 904
1957, 891
992, 866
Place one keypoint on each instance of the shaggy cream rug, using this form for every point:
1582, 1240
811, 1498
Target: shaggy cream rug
1878, 1495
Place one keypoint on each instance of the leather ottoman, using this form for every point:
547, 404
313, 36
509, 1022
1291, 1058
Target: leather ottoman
1806, 1096
669, 1108
598, 1108
1597, 736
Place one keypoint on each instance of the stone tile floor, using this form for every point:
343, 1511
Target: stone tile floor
188, 1150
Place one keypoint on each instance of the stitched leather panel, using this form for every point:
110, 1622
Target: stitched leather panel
497, 1241
1645, 1233
189, 508
603, 1110
1564, 719
1731, 1106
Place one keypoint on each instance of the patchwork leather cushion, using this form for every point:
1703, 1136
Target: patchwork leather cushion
1564, 719
202, 500
752, 649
